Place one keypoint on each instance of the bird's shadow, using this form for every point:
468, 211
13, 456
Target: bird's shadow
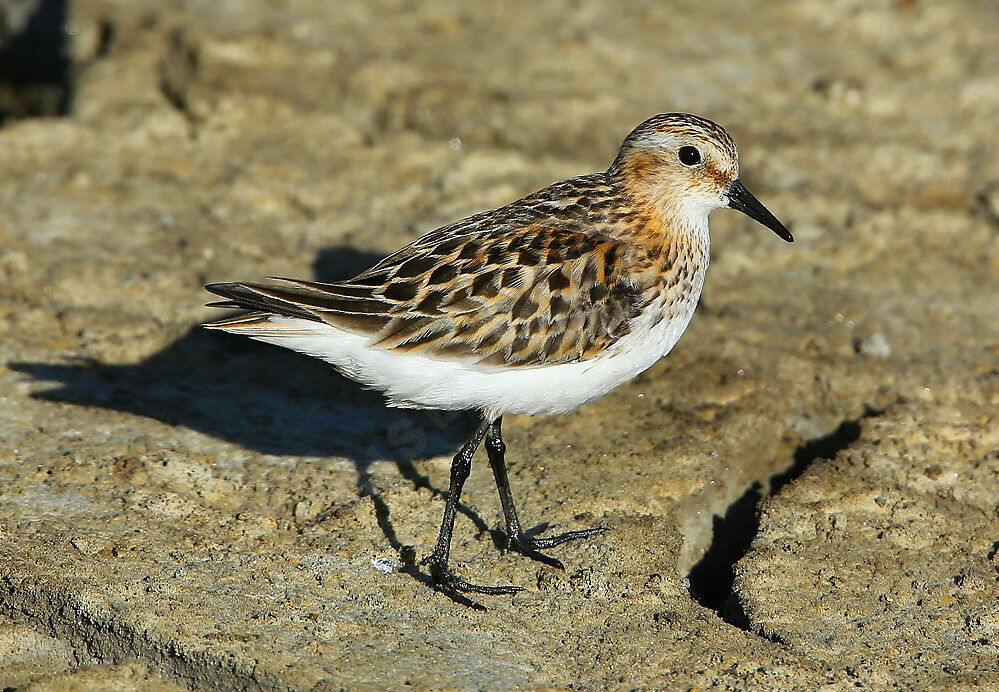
271, 400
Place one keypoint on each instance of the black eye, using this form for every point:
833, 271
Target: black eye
689, 156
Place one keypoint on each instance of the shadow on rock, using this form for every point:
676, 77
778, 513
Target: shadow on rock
258, 396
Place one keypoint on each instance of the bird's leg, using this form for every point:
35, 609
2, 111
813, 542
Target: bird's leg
437, 561
522, 542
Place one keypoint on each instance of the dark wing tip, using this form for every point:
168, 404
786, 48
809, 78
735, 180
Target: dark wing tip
233, 292
220, 288
256, 297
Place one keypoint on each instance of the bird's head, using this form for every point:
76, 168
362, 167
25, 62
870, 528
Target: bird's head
688, 166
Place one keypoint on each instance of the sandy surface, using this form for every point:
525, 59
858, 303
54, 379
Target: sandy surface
802, 495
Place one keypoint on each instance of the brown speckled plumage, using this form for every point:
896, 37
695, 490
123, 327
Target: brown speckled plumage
543, 280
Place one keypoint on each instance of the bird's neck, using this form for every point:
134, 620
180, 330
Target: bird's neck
671, 210
663, 225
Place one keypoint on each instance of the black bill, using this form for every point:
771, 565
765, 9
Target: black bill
741, 199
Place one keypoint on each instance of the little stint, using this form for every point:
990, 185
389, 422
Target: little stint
537, 307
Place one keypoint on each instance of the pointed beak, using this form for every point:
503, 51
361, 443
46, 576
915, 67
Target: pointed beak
741, 199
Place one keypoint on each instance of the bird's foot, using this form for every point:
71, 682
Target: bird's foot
448, 580
528, 543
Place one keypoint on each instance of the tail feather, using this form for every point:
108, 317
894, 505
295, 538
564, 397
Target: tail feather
237, 322
243, 295
263, 325
347, 307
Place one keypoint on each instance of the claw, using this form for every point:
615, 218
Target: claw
528, 545
552, 541
445, 578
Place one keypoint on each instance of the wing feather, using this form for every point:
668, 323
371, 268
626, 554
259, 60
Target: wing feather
520, 286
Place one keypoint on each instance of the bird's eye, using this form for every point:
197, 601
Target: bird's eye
689, 156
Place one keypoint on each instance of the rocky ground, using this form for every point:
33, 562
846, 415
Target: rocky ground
803, 495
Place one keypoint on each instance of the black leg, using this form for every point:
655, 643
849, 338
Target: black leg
461, 465
519, 540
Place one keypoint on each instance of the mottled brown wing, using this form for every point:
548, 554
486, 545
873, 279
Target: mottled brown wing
538, 294
531, 283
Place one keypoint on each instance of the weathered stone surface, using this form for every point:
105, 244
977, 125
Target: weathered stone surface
234, 516
886, 558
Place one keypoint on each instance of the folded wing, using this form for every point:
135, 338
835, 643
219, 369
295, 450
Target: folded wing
540, 294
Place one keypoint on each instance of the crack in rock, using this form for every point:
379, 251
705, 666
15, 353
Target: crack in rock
103, 639
713, 576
